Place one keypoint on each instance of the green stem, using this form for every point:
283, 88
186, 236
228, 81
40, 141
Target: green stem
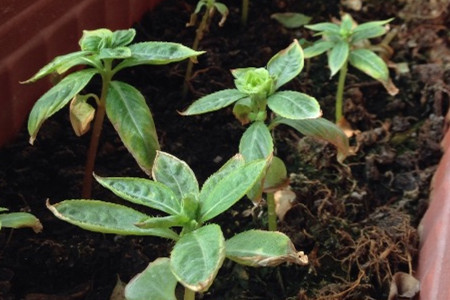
96, 132
188, 294
244, 14
340, 91
271, 215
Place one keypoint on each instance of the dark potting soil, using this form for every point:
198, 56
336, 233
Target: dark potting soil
356, 221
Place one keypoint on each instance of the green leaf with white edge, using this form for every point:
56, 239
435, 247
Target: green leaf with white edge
286, 64
128, 112
105, 217
230, 189
318, 48
256, 142
155, 282
322, 129
114, 53
144, 192
213, 102
61, 64
369, 30
157, 53
276, 175
20, 220
258, 248
291, 20
56, 98
197, 257
175, 174
210, 183
324, 27
123, 37
294, 105
367, 61
338, 56
163, 222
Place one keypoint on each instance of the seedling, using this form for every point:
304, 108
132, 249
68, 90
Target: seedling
210, 7
347, 43
256, 89
200, 248
105, 53
19, 220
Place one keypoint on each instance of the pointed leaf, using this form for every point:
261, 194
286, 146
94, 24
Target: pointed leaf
370, 63
123, 37
163, 222
175, 174
347, 23
197, 257
323, 129
144, 192
369, 30
258, 248
128, 112
156, 282
55, 99
337, 57
294, 105
230, 189
256, 142
318, 48
81, 114
325, 27
286, 64
20, 220
105, 217
213, 102
291, 20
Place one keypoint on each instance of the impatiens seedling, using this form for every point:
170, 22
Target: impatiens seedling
210, 8
19, 220
258, 89
347, 43
200, 247
105, 53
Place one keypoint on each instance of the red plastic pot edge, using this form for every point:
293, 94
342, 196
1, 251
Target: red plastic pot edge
32, 33
434, 229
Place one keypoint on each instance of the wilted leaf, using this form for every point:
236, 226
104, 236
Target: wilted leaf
284, 200
81, 114
403, 285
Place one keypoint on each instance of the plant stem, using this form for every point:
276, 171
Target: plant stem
271, 215
96, 131
244, 13
340, 91
188, 294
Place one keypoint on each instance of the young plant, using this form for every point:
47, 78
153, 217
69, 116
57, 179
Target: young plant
210, 7
104, 53
257, 89
347, 43
19, 220
200, 247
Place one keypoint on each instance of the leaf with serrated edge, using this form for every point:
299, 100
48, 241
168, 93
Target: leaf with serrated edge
213, 102
197, 257
175, 174
286, 64
56, 98
128, 112
156, 282
294, 105
258, 248
105, 217
144, 192
256, 142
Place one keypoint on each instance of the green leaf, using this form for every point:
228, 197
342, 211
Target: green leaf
105, 217
276, 174
241, 110
294, 105
230, 189
128, 112
369, 30
286, 64
156, 282
291, 20
347, 24
213, 102
370, 63
337, 57
258, 248
61, 64
20, 220
144, 192
94, 40
318, 48
157, 53
55, 99
175, 174
210, 183
114, 53
163, 222
323, 129
122, 38
197, 257
256, 142
324, 27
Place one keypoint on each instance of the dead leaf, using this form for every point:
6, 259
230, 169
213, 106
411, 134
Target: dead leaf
81, 114
403, 285
284, 200
356, 5
118, 293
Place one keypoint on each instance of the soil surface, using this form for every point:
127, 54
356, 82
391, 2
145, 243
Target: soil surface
356, 221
